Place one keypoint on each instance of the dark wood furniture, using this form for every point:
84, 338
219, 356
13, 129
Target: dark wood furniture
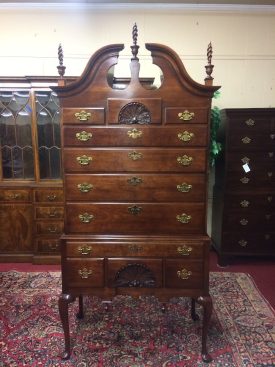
243, 221
31, 193
135, 180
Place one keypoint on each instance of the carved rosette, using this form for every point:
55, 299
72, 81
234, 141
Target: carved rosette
135, 275
134, 113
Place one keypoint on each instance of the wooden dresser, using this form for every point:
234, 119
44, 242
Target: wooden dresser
244, 192
135, 181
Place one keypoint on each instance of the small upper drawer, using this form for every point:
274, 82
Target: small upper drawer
84, 116
47, 246
84, 273
183, 274
48, 195
49, 227
15, 195
186, 115
48, 212
127, 136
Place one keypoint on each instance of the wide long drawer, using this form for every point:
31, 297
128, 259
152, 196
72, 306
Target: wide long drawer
182, 249
139, 218
249, 220
129, 187
125, 136
131, 160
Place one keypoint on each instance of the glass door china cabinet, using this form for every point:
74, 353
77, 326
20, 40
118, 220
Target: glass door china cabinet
31, 195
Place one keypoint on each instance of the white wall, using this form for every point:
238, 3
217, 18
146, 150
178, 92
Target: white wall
243, 42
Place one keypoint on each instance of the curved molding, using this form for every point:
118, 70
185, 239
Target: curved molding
156, 7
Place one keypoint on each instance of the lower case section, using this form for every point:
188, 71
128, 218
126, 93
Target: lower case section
205, 301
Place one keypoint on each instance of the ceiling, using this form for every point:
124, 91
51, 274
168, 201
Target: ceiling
221, 2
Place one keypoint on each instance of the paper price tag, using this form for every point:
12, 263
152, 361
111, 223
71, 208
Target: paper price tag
246, 168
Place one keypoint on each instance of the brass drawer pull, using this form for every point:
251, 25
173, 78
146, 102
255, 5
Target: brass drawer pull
183, 218
185, 160
267, 237
134, 181
83, 115
134, 133
83, 136
244, 180
135, 210
135, 155
86, 217
184, 250
250, 122
267, 216
52, 229
243, 222
53, 246
246, 140
84, 160
85, 187
51, 197
269, 199
272, 136
186, 115
185, 136
134, 248
85, 273
53, 213
14, 196
184, 187
271, 154
269, 174
85, 249
245, 160
184, 274
243, 243
244, 203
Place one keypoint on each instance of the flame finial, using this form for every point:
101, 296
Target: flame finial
209, 67
135, 47
61, 68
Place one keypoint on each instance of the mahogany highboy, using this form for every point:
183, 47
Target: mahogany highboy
135, 180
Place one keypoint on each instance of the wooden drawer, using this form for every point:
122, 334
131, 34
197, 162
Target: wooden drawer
84, 116
49, 212
48, 246
49, 227
261, 162
186, 115
243, 182
183, 274
139, 218
127, 136
250, 203
16, 195
138, 160
48, 195
249, 220
249, 242
142, 187
84, 273
134, 273
183, 249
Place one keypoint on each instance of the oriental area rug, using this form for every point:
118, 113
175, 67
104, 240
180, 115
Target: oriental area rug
133, 332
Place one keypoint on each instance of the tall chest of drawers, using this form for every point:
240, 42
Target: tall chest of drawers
135, 172
244, 202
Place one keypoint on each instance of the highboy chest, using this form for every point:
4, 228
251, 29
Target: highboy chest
135, 180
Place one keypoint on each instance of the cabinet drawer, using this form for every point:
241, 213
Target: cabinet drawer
49, 227
139, 218
84, 273
142, 187
183, 274
135, 136
83, 116
139, 160
48, 195
15, 195
49, 212
134, 273
249, 220
250, 203
186, 115
183, 249
48, 245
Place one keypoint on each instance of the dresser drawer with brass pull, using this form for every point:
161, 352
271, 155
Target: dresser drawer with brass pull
183, 273
123, 136
48, 245
186, 115
42, 212
133, 160
123, 218
257, 220
89, 116
49, 227
142, 187
48, 195
85, 272
15, 195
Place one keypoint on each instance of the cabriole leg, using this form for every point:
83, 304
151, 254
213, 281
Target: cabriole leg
206, 302
63, 304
